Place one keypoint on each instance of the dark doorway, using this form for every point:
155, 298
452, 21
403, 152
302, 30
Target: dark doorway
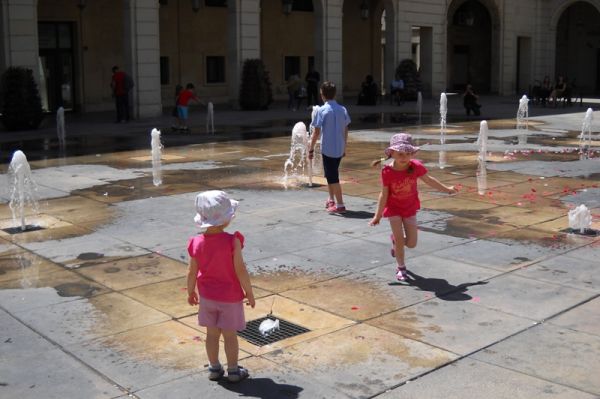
57, 66
577, 42
470, 47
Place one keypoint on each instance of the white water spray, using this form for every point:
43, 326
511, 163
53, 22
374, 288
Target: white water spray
60, 127
268, 327
482, 141
210, 118
294, 165
23, 188
580, 218
156, 157
443, 113
523, 119
585, 138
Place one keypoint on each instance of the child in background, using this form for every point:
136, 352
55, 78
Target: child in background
217, 269
183, 100
178, 90
399, 198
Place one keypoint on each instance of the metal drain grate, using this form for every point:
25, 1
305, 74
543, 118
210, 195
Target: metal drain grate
587, 232
286, 330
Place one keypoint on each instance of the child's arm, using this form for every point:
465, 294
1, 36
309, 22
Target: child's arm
383, 196
435, 183
191, 282
242, 273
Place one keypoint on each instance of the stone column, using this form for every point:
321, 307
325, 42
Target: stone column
244, 41
142, 56
332, 52
19, 35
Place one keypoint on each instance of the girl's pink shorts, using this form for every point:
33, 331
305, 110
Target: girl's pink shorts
223, 315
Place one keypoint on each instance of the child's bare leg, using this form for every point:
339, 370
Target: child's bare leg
231, 348
410, 231
212, 345
399, 239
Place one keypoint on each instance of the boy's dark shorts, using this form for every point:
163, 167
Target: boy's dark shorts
331, 168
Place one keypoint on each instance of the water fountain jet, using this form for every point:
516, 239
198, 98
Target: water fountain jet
23, 189
156, 157
585, 138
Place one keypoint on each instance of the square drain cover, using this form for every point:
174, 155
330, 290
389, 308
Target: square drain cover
286, 330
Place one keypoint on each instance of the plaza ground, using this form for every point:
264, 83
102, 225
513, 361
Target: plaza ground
502, 301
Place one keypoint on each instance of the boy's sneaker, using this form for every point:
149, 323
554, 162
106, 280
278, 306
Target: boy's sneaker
329, 203
215, 374
237, 375
336, 209
401, 273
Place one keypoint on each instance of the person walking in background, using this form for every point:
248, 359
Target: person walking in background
312, 87
121, 84
293, 87
471, 101
331, 122
399, 198
217, 270
183, 100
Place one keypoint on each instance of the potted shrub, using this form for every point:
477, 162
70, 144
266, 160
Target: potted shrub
20, 102
255, 89
407, 71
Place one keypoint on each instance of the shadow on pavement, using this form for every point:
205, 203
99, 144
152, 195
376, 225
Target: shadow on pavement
355, 214
439, 287
264, 388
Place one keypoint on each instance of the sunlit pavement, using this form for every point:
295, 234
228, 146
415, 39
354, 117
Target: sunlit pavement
502, 299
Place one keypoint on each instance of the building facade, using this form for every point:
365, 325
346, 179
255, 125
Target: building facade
499, 46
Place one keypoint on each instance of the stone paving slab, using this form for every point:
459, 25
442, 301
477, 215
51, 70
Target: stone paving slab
460, 327
519, 296
362, 360
472, 379
435, 276
147, 355
81, 320
565, 270
52, 374
541, 352
584, 318
37, 291
267, 380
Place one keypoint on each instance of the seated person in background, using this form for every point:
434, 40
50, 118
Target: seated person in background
559, 90
396, 89
471, 101
368, 92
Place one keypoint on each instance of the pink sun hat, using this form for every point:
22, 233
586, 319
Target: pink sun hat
214, 208
401, 142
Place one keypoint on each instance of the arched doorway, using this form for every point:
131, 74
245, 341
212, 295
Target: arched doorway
578, 47
470, 45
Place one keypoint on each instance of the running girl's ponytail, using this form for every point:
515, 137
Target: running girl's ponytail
379, 161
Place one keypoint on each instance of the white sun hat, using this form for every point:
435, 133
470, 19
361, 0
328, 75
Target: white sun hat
214, 208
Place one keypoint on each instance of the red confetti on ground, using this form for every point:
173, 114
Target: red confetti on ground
197, 338
183, 289
476, 299
534, 190
354, 308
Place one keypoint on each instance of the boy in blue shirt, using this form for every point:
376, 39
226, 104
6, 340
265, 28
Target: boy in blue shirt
331, 122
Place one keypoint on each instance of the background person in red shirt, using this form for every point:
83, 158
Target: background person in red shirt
121, 85
183, 100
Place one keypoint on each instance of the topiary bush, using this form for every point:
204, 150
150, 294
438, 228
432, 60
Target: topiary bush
407, 71
20, 102
255, 89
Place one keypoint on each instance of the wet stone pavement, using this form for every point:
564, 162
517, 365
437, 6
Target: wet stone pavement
502, 301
